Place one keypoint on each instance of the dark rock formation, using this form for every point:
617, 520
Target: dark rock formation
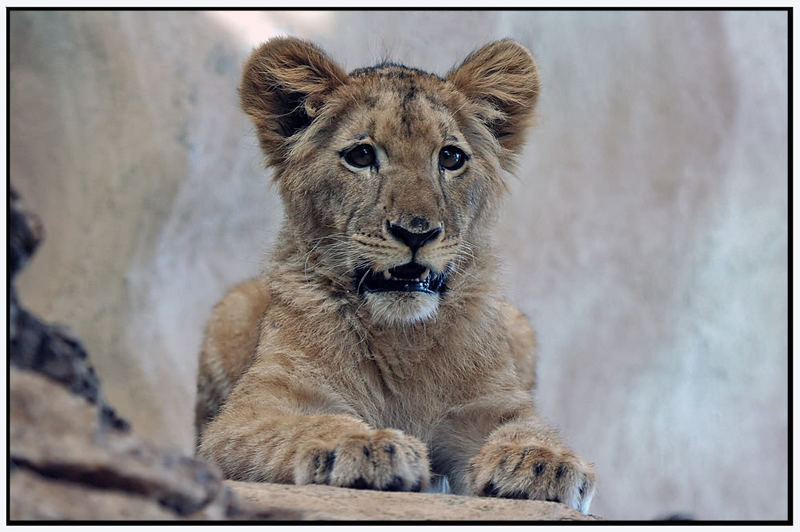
37, 346
71, 456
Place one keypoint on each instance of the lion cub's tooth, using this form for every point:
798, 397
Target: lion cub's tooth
425, 274
387, 275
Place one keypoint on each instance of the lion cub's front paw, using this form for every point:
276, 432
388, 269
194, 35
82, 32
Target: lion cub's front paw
532, 471
384, 459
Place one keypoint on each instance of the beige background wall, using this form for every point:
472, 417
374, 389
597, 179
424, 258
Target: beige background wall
646, 235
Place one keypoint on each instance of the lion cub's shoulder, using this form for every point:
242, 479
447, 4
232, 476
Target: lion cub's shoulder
230, 340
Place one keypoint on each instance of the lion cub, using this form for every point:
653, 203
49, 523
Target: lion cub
377, 348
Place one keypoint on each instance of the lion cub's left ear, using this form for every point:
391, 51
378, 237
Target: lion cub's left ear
501, 76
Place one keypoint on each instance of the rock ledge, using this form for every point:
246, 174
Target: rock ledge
329, 503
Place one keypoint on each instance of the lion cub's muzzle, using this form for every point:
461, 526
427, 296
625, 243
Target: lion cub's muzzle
409, 277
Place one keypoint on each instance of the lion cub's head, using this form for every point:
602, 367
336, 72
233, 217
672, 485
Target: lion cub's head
389, 175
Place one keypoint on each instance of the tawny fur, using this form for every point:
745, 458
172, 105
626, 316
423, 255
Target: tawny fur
307, 378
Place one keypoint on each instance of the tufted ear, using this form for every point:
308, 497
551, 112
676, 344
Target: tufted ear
283, 86
503, 75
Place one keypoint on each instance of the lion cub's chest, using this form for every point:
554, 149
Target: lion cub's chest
401, 389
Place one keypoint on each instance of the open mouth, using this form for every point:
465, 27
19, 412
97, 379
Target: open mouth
409, 277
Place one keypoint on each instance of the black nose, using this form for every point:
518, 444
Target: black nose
412, 240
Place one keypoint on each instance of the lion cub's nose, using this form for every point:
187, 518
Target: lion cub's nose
413, 240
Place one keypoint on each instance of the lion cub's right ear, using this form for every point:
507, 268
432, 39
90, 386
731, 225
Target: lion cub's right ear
283, 86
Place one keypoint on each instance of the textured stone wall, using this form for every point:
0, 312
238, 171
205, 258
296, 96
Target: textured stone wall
646, 235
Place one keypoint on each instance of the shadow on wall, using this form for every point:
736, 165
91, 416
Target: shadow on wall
646, 235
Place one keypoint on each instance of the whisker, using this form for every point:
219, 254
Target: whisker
358, 288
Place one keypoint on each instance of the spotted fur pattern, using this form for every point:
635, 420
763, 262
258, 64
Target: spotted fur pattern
311, 374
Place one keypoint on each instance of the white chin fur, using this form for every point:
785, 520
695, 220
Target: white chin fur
401, 308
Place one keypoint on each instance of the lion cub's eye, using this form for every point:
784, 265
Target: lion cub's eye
451, 158
361, 156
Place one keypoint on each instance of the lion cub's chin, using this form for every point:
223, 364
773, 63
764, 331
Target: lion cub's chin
401, 308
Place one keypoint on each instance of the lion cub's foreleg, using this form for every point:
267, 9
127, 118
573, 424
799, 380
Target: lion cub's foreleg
498, 447
262, 416
230, 339
280, 425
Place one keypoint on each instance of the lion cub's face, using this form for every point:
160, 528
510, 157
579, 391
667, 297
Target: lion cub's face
389, 175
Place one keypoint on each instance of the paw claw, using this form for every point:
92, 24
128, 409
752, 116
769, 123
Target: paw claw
330, 458
395, 485
490, 490
359, 484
